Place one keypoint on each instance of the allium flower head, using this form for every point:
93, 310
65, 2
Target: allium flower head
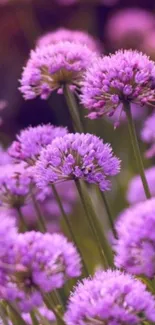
30, 141
44, 262
110, 298
125, 23
126, 76
135, 247
51, 67
77, 156
148, 135
73, 36
135, 192
8, 234
15, 182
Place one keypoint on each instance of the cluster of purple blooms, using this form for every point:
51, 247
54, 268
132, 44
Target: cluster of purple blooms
34, 264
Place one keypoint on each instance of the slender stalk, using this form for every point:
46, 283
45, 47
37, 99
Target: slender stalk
23, 225
15, 315
106, 204
103, 246
42, 319
136, 149
41, 221
73, 108
51, 306
34, 318
3, 315
65, 217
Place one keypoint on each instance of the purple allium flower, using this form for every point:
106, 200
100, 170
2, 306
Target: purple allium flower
44, 312
111, 298
125, 23
73, 36
44, 262
126, 76
135, 247
148, 135
51, 67
31, 140
8, 234
77, 156
136, 192
15, 182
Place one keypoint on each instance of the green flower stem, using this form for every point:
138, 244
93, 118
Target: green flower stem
22, 223
42, 319
15, 316
103, 246
3, 314
106, 204
34, 318
51, 306
136, 149
66, 219
41, 221
73, 108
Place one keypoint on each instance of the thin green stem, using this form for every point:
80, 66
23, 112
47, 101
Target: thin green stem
15, 316
22, 223
136, 149
42, 319
106, 204
66, 219
34, 318
3, 314
103, 246
41, 221
73, 108
56, 312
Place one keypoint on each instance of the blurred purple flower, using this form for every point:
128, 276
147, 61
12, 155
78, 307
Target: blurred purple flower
4, 157
44, 262
51, 67
135, 247
31, 140
68, 35
77, 156
125, 23
148, 45
8, 234
119, 117
148, 135
44, 312
15, 182
110, 297
136, 192
126, 76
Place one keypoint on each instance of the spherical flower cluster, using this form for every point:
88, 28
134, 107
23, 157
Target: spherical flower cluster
8, 234
51, 67
126, 76
125, 23
44, 262
135, 247
135, 192
110, 298
77, 156
148, 134
73, 36
31, 140
15, 182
